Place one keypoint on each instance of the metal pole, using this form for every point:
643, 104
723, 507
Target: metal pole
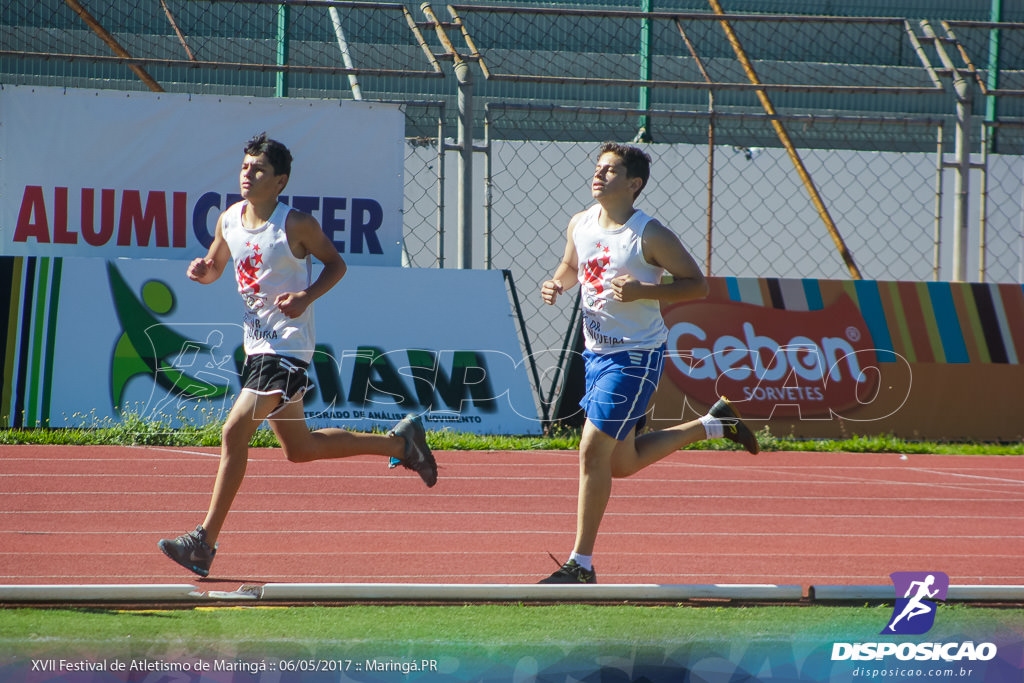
711, 181
112, 43
644, 134
937, 255
177, 30
961, 185
783, 136
281, 77
465, 145
440, 188
711, 144
991, 101
346, 56
488, 192
983, 209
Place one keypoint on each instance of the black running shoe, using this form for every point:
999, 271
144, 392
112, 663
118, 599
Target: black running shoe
572, 573
191, 551
733, 426
418, 457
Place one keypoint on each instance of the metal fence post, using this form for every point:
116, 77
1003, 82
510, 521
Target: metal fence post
464, 143
962, 164
346, 54
465, 147
281, 77
644, 133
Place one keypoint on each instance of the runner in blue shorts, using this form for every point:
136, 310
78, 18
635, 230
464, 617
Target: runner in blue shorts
619, 256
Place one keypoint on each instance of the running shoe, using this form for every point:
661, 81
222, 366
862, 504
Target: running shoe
418, 457
571, 572
191, 551
733, 426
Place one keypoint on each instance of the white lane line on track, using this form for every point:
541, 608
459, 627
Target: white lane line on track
825, 481
837, 481
517, 554
560, 532
516, 513
541, 496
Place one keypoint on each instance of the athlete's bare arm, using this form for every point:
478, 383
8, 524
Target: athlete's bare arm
565, 276
305, 237
207, 269
662, 248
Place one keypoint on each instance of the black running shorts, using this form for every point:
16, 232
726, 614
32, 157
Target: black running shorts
266, 374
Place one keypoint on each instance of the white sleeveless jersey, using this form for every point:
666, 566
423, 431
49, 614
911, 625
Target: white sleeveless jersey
610, 326
265, 267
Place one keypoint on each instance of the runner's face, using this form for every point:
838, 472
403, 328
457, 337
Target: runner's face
610, 178
257, 180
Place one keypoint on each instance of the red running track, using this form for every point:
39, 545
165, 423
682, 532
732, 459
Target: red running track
94, 515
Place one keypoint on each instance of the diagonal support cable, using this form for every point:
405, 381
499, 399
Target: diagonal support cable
711, 142
783, 136
112, 43
177, 30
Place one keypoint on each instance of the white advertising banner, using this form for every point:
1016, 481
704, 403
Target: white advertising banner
138, 335
113, 174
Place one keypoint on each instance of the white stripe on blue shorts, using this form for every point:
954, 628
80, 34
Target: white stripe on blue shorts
619, 387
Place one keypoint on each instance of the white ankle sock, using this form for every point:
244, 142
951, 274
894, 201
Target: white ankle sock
585, 561
712, 426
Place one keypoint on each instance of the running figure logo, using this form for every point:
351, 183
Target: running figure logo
914, 613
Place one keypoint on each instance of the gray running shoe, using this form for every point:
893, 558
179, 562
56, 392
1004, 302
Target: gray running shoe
191, 551
733, 426
418, 457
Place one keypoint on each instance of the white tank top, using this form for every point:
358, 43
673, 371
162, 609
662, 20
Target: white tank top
265, 267
610, 326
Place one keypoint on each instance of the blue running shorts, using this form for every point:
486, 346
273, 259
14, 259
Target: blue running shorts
618, 388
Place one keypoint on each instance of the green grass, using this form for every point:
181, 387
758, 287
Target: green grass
452, 630
202, 430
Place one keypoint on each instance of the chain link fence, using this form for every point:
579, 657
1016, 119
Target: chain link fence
741, 211
1000, 231
249, 47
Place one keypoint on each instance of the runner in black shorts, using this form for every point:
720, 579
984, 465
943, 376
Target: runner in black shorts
272, 247
267, 373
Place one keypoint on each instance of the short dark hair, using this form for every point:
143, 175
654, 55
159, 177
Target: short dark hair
636, 161
278, 155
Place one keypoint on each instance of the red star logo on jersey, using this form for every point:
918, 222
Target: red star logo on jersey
593, 272
249, 267
257, 258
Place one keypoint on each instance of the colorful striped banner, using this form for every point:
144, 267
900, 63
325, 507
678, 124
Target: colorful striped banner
924, 322
29, 294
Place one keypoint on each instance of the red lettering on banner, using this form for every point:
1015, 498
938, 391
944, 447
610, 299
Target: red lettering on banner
180, 210
60, 218
91, 236
779, 363
32, 222
145, 224
136, 224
